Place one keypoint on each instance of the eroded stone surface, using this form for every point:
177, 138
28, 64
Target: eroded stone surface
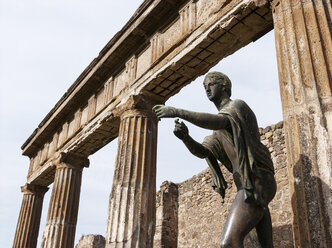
166, 216
304, 52
29, 220
63, 209
91, 241
131, 215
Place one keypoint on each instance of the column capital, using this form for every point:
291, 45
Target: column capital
31, 189
70, 160
139, 105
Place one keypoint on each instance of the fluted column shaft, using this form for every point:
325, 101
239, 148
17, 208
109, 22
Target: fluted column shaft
27, 229
63, 209
304, 52
131, 216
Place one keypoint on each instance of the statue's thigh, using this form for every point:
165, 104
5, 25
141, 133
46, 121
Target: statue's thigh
241, 219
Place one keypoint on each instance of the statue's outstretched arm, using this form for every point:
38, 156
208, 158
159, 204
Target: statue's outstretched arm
204, 120
197, 149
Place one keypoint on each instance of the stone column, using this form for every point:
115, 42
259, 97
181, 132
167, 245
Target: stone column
131, 216
167, 216
63, 209
304, 52
29, 219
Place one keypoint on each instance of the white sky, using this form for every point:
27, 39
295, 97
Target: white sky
45, 45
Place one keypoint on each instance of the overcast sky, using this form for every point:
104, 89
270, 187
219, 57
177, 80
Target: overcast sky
45, 45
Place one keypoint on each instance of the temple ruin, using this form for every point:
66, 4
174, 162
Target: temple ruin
163, 47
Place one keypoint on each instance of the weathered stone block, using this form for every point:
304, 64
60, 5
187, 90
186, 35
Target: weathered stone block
91, 241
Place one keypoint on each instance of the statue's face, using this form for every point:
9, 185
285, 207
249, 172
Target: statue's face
213, 89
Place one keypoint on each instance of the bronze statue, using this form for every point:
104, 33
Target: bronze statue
235, 142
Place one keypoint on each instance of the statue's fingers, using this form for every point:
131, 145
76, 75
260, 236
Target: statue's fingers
183, 125
157, 106
159, 112
178, 125
177, 128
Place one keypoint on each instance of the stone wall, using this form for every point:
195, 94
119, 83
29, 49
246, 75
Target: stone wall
201, 215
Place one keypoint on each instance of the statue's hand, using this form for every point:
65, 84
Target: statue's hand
163, 111
180, 130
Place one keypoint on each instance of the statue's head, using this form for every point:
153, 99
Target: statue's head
217, 84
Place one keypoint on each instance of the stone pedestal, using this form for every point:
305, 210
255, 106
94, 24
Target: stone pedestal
131, 217
62, 213
304, 52
29, 220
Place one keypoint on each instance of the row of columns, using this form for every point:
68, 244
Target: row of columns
304, 49
131, 220
63, 209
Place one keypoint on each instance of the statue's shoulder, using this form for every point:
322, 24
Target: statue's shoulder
241, 105
238, 102
234, 107
237, 107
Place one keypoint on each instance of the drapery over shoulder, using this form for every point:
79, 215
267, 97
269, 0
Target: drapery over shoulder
252, 155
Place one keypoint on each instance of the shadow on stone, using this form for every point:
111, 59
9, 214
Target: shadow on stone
310, 218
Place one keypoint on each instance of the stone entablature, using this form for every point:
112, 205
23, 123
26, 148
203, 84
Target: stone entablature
145, 58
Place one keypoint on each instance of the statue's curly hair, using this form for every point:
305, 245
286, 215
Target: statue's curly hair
221, 78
